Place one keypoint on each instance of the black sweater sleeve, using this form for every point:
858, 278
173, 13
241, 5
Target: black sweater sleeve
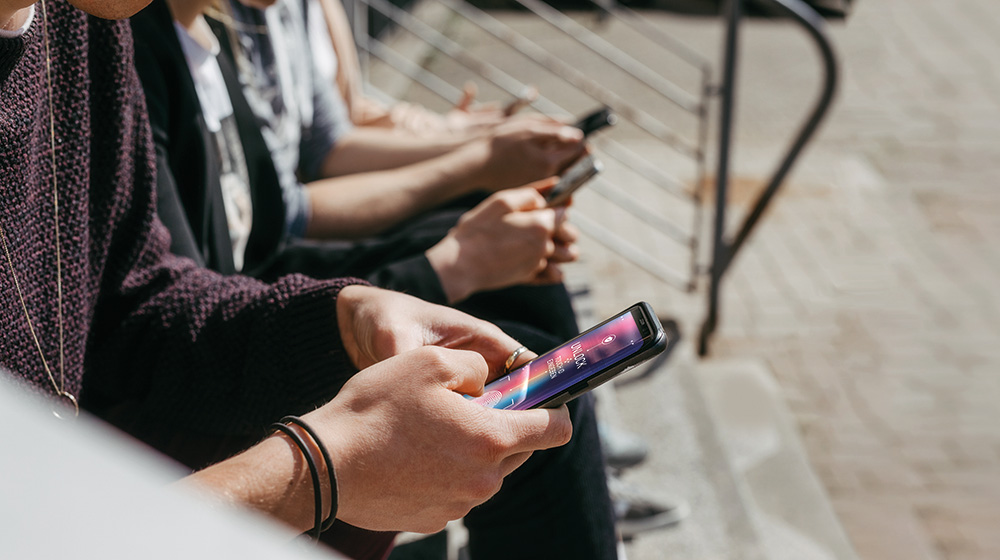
194, 349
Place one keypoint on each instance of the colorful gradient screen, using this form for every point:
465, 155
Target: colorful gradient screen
554, 372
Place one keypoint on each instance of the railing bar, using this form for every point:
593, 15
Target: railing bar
439, 87
613, 54
635, 207
700, 182
571, 75
615, 150
639, 23
613, 193
445, 45
726, 117
813, 23
725, 251
630, 252
413, 71
642, 167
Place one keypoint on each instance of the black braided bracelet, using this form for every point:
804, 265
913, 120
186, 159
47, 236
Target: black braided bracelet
334, 494
313, 470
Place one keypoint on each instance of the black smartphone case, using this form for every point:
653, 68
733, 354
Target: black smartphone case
658, 345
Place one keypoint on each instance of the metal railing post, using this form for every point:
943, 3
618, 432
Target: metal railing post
727, 109
724, 251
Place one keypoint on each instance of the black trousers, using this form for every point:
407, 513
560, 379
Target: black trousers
555, 506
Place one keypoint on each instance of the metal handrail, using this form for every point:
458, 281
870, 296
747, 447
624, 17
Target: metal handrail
413, 71
629, 251
571, 75
614, 150
725, 251
636, 164
614, 55
637, 22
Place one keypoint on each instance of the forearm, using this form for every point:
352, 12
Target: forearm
271, 477
367, 149
367, 204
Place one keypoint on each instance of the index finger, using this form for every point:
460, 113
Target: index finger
556, 131
490, 342
526, 198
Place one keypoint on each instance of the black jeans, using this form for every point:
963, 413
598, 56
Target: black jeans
555, 506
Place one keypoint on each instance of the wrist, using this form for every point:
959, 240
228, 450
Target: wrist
476, 160
333, 426
321, 470
348, 301
444, 258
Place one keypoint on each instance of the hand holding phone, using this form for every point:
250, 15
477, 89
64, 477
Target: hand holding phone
580, 365
575, 177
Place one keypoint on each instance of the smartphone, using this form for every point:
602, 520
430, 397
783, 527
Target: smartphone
597, 120
568, 371
579, 173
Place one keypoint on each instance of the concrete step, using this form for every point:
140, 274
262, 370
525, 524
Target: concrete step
687, 461
786, 502
722, 439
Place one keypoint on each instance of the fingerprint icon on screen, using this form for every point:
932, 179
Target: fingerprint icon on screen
489, 399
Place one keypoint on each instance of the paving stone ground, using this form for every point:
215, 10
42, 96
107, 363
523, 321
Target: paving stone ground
872, 289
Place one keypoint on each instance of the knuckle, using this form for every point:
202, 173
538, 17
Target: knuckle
541, 228
562, 432
507, 203
430, 526
484, 487
460, 508
493, 446
434, 356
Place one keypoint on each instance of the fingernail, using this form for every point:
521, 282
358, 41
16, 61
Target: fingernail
570, 133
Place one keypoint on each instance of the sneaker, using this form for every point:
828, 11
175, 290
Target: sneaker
621, 449
636, 513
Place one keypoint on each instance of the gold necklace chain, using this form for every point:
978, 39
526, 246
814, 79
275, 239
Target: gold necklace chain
60, 387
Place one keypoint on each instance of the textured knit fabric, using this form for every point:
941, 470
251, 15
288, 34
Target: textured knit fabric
188, 347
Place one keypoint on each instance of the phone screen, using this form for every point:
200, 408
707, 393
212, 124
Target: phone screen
558, 370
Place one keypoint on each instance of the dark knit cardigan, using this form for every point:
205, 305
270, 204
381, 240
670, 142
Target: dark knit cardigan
177, 345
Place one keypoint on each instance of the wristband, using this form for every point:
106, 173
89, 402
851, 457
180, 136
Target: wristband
334, 490
310, 459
